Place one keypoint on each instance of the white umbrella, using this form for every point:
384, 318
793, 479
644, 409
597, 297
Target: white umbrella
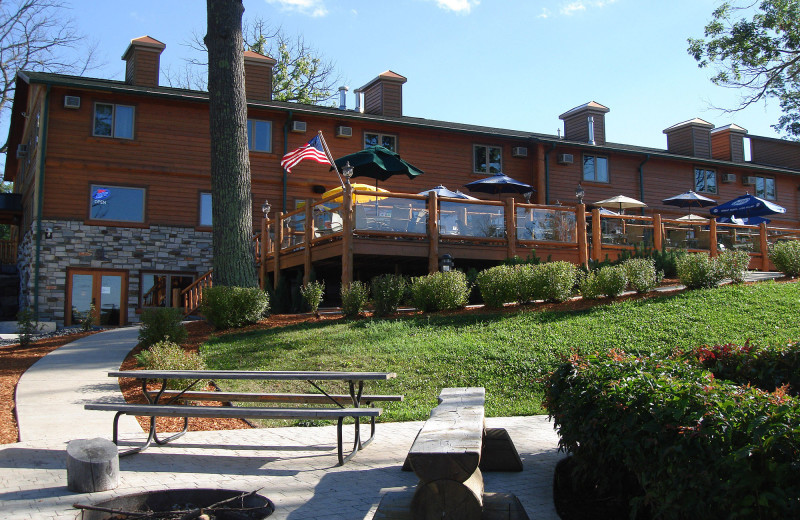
691, 217
620, 202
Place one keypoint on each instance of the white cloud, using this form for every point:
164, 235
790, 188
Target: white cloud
315, 8
459, 6
546, 13
572, 8
578, 6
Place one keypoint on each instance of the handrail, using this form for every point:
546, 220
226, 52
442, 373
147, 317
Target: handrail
193, 294
8, 251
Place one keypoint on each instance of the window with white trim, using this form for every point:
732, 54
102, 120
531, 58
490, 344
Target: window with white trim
259, 135
595, 168
487, 159
113, 121
705, 180
386, 140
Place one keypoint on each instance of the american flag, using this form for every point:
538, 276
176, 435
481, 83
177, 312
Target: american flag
313, 150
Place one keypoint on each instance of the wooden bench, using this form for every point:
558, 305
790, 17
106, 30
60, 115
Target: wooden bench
447, 456
227, 397
239, 412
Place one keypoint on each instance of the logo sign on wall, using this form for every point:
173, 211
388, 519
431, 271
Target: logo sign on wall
100, 196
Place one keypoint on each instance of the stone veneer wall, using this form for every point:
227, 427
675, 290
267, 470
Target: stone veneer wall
74, 244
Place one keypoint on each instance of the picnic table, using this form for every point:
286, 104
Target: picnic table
320, 405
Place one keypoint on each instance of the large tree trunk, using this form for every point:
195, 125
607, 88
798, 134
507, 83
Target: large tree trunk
230, 164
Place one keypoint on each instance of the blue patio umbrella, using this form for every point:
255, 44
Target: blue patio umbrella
747, 206
441, 191
499, 183
689, 199
747, 221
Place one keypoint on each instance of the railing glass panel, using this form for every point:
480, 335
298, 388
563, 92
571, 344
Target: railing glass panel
390, 214
327, 219
545, 224
471, 220
746, 238
294, 230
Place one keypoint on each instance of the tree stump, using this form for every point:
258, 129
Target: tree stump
449, 499
92, 465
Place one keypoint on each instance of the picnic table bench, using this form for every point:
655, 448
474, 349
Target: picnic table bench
322, 405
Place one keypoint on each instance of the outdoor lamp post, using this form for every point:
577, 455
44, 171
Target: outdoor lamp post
347, 171
446, 263
579, 193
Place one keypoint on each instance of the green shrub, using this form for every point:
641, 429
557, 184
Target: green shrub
354, 298
440, 291
786, 257
767, 368
698, 270
589, 285
733, 264
554, 281
642, 275
612, 280
312, 293
162, 323
228, 307
26, 326
699, 446
167, 355
666, 261
387, 293
525, 282
497, 285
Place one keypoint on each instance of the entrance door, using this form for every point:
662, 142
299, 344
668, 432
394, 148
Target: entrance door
106, 290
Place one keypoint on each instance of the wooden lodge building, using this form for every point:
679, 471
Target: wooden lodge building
112, 178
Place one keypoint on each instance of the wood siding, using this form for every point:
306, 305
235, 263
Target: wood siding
727, 146
774, 152
258, 82
576, 127
691, 140
142, 67
373, 99
393, 99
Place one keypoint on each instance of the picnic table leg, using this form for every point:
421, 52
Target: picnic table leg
356, 397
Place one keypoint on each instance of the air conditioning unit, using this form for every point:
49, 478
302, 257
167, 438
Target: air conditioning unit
565, 158
299, 127
728, 177
344, 131
749, 180
22, 150
519, 151
72, 102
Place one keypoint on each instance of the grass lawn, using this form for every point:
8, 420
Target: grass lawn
508, 353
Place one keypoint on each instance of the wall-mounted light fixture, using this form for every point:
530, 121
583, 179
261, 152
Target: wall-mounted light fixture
266, 207
579, 193
48, 233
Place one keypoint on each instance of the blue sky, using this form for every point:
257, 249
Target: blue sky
513, 64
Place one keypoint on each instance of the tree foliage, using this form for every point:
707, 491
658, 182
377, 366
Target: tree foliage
38, 35
755, 47
302, 74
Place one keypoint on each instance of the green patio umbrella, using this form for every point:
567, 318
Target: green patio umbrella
379, 163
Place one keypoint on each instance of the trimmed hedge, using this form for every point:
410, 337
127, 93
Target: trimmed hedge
387, 293
786, 257
440, 291
698, 271
354, 298
160, 324
230, 307
700, 446
497, 285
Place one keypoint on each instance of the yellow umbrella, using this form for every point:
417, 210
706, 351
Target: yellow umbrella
359, 198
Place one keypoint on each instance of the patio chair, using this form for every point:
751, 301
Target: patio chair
400, 218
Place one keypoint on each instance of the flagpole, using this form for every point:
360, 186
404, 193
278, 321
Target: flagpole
330, 157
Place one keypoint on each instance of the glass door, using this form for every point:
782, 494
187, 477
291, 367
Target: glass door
102, 294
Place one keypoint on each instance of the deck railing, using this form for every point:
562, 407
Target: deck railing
194, 293
8, 251
438, 220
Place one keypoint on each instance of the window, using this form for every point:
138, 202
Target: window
259, 135
385, 140
487, 159
116, 203
765, 187
164, 289
595, 168
113, 121
705, 180
205, 209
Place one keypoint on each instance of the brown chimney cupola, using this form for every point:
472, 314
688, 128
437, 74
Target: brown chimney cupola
692, 137
143, 58
727, 143
586, 123
383, 95
258, 76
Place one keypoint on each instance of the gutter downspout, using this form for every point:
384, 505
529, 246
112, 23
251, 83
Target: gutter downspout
547, 173
285, 151
641, 180
40, 203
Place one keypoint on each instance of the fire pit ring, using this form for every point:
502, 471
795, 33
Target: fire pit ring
257, 507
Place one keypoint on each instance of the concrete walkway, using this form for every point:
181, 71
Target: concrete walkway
295, 467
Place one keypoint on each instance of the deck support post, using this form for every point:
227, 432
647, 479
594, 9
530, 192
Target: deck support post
347, 234
433, 232
658, 232
511, 227
262, 266
764, 243
580, 223
278, 244
712, 238
308, 229
597, 235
